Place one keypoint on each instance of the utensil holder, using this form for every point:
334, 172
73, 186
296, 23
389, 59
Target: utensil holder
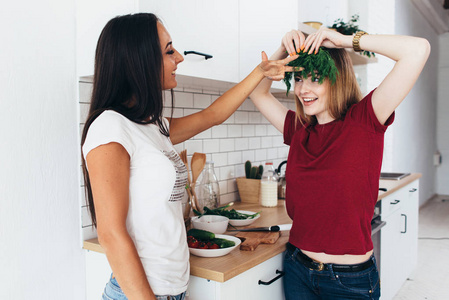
249, 189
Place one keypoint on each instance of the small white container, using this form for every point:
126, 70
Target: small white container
215, 224
269, 187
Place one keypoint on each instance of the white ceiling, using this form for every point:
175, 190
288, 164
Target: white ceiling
435, 14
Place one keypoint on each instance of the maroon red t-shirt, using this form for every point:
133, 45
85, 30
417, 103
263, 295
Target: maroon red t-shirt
333, 180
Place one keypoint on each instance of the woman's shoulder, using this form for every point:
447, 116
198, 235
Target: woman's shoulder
111, 116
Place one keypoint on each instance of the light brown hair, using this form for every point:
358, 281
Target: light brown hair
344, 93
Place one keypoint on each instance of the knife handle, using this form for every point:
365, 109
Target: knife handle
285, 227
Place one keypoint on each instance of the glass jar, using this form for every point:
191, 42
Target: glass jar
208, 189
269, 186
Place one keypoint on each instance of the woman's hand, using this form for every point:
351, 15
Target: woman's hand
275, 69
327, 38
293, 42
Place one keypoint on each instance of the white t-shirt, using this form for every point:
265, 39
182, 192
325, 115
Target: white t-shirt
157, 184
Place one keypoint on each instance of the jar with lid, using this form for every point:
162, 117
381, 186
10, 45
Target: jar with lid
208, 189
269, 186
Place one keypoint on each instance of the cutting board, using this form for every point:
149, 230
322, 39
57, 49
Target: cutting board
252, 239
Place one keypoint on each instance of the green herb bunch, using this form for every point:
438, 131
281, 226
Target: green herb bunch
319, 65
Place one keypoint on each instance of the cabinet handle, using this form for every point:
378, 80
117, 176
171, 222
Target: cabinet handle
272, 280
395, 202
405, 223
413, 190
206, 56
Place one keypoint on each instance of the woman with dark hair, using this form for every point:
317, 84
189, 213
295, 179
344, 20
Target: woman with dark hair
336, 144
133, 176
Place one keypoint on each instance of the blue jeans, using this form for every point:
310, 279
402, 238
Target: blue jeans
303, 283
112, 291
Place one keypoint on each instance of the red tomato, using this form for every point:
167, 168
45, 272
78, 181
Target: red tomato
203, 245
192, 242
214, 246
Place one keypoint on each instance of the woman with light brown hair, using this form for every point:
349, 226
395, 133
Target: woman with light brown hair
336, 144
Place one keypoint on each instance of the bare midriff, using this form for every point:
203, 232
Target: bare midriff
346, 259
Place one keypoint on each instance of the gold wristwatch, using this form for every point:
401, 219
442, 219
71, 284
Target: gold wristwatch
356, 41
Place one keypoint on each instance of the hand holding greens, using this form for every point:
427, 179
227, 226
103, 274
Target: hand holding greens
319, 65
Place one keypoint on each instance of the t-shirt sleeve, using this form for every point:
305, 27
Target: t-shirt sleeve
107, 128
363, 113
289, 127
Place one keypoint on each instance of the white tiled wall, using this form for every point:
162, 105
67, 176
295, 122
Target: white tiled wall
246, 135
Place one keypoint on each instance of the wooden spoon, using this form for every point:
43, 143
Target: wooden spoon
198, 162
189, 204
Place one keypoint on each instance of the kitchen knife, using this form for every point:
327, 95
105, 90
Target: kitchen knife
274, 228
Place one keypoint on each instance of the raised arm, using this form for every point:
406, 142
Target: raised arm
410, 54
270, 107
109, 176
221, 109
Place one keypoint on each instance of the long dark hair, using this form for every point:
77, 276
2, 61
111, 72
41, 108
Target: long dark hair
127, 77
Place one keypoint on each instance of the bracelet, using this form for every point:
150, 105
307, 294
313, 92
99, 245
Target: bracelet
356, 41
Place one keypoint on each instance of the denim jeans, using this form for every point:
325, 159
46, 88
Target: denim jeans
303, 283
112, 291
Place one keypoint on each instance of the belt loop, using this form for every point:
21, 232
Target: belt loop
331, 271
295, 253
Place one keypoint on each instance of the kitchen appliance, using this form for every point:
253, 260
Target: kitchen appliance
281, 181
393, 176
376, 228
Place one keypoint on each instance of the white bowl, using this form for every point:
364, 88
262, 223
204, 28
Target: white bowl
244, 222
216, 252
215, 224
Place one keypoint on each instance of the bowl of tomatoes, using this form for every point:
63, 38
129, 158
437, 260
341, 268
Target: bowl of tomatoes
207, 244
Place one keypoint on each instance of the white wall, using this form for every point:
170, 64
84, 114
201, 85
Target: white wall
91, 17
41, 256
442, 186
415, 127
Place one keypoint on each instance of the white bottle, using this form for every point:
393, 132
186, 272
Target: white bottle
269, 186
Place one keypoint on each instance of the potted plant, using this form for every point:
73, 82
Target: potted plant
249, 186
350, 28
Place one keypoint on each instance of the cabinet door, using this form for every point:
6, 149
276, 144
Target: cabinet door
391, 256
409, 238
243, 286
209, 27
262, 26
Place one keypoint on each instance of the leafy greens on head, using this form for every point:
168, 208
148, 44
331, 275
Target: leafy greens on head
319, 65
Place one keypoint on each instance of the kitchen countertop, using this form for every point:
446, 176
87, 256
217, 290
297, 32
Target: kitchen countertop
223, 268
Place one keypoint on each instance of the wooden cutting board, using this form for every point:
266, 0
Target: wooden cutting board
252, 239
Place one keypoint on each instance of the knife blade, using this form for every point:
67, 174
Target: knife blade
274, 228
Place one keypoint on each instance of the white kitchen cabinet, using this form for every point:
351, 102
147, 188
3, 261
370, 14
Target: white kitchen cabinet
210, 27
399, 238
98, 273
243, 286
262, 26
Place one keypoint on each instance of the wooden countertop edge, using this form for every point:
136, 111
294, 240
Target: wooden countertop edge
398, 184
93, 245
252, 259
